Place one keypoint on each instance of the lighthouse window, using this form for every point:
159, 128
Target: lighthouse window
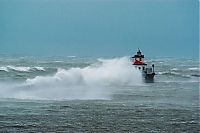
139, 67
140, 59
142, 68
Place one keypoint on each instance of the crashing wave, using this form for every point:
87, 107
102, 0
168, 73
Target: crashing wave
172, 73
38, 68
4, 69
194, 69
21, 68
93, 82
174, 69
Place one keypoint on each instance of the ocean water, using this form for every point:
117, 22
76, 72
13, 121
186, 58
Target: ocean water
73, 94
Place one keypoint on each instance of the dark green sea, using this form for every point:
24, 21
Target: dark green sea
73, 94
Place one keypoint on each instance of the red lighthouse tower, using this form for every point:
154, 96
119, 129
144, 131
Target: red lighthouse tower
139, 60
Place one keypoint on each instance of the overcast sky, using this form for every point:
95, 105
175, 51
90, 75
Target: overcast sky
161, 28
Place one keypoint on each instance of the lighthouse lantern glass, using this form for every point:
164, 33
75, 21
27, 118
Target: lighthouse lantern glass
139, 59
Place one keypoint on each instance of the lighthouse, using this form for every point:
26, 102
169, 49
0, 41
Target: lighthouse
139, 60
147, 72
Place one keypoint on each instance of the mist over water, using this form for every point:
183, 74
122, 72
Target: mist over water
96, 81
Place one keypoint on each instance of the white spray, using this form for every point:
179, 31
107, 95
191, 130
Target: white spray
93, 82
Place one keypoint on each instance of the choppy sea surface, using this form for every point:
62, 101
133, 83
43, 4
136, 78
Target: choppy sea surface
73, 94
